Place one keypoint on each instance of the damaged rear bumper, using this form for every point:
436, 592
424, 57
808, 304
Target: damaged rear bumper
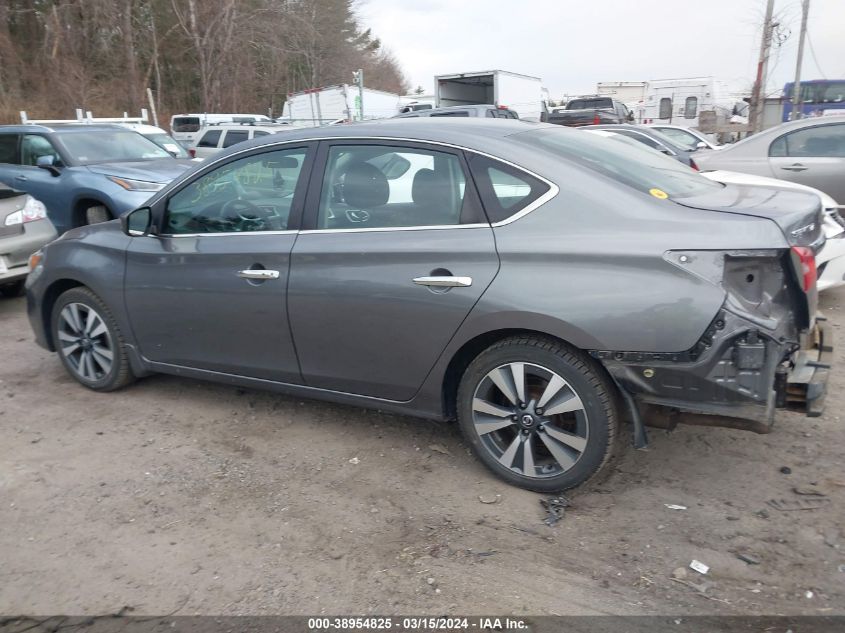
738, 374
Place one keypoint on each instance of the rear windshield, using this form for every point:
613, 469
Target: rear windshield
621, 159
185, 124
582, 104
88, 148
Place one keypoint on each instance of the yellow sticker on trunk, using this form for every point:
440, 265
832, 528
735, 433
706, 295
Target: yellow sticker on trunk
658, 193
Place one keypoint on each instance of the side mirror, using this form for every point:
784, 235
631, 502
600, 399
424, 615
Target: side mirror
49, 163
137, 223
701, 145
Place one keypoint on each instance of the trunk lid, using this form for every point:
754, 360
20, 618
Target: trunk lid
798, 214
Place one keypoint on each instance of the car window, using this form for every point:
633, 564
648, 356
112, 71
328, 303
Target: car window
246, 195
691, 107
9, 148
825, 141
210, 138
235, 136
620, 159
34, 146
491, 114
504, 190
258, 133
665, 108
681, 137
377, 186
185, 124
834, 92
88, 148
168, 143
452, 113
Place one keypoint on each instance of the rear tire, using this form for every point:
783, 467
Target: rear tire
88, 341
96, 214
538, 413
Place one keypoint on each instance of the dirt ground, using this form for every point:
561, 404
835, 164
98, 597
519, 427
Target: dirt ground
175, 496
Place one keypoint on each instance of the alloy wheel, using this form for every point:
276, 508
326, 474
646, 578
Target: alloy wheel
530, 419
85, 342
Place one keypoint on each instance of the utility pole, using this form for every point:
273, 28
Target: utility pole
796, 88
755, 119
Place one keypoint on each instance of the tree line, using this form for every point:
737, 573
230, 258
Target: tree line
195, 55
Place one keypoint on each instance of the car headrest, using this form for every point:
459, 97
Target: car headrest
365, 186
429, 190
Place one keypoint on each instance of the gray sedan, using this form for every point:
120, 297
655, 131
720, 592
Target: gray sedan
539, 284
808, 151
24, 228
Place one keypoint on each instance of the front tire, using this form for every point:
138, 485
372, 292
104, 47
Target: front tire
89, 342
96, 214
539, 414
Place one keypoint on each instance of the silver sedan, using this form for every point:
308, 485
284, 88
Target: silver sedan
808, 151
24, 228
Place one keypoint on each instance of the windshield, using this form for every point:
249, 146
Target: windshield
680, 137
622, 159
88, 148
165, 141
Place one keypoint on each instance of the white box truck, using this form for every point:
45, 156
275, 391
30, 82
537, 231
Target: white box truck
520, 93
335, 104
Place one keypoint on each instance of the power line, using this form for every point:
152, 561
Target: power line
813, 55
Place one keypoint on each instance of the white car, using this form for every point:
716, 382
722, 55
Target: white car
215, 137
831, 259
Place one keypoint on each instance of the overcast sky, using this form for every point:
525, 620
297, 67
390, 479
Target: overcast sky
572, 44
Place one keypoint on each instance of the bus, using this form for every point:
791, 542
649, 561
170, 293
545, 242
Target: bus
818, 97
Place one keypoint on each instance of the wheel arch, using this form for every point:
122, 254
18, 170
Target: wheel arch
51, 295
471, 348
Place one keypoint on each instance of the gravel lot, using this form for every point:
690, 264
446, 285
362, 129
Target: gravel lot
175, 496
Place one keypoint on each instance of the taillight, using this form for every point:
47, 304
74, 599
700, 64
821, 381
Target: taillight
804, 260
192, 153
596, 119
693, 165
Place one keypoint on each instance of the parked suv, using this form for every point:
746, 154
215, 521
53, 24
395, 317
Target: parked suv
215, 137
536, 283
84, 173
488, 111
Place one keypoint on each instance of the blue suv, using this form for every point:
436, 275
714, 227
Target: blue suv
84, 174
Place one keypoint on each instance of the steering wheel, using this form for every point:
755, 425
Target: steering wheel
244, 215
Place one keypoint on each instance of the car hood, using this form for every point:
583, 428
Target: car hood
798, 214
163, 170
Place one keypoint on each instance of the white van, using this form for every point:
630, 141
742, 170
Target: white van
185, 127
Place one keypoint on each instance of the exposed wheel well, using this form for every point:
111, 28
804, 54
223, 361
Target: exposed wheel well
52, 293
82, 206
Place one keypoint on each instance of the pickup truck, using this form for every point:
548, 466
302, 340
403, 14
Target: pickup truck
591, 111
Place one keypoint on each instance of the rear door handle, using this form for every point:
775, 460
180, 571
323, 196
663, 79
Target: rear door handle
21, 178
795, 167
258, 273
444, 282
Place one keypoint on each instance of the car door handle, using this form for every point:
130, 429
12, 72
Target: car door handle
795, 167
258, 273
21, 178
444, 282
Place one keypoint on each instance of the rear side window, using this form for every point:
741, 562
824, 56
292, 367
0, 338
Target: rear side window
9, 148
505, 190
824, 141
185, 124
235, 136
209, 139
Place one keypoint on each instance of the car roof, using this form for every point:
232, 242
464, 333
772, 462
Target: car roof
427, 111
478, 133
62, 129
